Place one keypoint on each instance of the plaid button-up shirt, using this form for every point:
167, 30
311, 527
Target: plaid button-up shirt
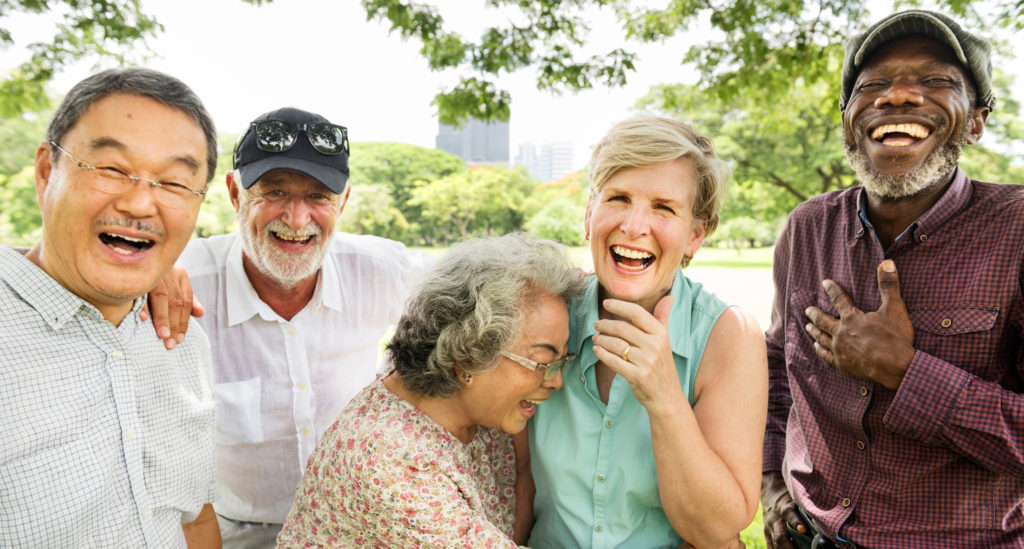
106, 438
940, 461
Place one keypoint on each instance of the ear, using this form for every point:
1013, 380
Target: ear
344, 198
44, 165
233, 188
586, 220
699, 232
976, 124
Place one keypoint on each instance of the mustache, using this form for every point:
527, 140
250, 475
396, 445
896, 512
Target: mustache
130, 224
280, 227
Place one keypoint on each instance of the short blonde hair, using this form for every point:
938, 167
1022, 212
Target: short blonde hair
647, 140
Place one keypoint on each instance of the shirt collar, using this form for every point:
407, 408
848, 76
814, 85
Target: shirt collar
244, 303
955, 199
584, 309
55, 303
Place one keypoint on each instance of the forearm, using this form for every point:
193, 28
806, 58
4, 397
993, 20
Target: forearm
703, 499
940, 404
203, 532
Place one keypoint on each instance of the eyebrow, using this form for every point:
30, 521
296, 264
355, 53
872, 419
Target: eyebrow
106, 142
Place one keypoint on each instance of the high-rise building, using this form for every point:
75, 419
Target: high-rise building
547, 161
477, 142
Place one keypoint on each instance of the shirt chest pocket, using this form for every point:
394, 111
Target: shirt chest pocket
238, 412
960, 335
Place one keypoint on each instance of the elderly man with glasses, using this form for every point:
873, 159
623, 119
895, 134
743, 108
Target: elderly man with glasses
107, 437
294, 311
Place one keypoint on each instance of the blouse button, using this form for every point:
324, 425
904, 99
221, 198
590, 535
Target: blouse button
598, 528
609, 423
846, 502
946, 323
863, 391
601, 478
924, 237
860, 444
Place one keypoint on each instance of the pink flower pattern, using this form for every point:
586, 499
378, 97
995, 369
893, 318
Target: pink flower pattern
386, 475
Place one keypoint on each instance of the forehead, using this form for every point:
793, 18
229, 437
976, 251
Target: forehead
291, 179
917, 49
671, 180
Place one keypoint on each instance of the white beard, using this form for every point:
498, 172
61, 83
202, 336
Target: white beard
286, 269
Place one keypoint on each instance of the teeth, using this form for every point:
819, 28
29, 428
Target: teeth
130, 239
631, 254
534, 402
913, 130
293, 238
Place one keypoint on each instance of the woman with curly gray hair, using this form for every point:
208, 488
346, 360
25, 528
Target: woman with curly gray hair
424, 455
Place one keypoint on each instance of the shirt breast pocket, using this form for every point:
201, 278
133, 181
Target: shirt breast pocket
960, 335
238, 412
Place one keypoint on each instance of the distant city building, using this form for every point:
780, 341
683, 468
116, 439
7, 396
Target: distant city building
478, 143
547, 161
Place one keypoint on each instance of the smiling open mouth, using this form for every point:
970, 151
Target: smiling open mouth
900, 135
631, 260
125, 245
293, 239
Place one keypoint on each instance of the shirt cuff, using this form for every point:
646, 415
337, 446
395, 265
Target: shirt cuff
925, 398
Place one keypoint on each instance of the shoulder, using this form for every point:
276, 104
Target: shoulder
367, 250
812, 209
206, 254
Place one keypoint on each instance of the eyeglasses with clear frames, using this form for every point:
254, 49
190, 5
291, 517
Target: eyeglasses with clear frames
547, 370
114, 181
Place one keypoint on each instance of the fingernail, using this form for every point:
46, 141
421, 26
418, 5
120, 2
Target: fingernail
889, 266
181, 337
808, 326
165, 332
170, 343
807, 311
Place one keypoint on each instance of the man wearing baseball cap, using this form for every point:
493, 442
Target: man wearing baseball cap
294, 312
896, 349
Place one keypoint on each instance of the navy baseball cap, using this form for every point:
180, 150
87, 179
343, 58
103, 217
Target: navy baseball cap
254, 159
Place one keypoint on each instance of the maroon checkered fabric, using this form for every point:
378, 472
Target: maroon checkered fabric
940, 462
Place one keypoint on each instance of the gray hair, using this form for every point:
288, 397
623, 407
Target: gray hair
470, 308
139, 81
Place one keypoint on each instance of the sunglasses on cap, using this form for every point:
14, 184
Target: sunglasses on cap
280, 136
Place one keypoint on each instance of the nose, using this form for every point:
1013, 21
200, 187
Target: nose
296, 213
554, 383
636, 222
901, 92
138, 201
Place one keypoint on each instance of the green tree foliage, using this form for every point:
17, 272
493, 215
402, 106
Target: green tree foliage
751, 44
398, 166
481, 201
371, 210
20, 221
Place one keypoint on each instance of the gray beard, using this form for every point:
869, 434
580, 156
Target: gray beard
287, 270
940, 163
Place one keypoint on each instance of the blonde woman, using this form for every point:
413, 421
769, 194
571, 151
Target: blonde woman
656, 438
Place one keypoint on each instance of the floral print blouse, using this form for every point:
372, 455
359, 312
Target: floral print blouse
386, 475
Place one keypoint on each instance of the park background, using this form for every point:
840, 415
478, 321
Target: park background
762, 78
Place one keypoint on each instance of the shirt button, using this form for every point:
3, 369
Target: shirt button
860, 444
302, 386
129, 434
146, 513
117, 355
305, 432
609, 423
598, 528
291, 331
924, 237
863, 391
846, 502
946, 323
601, 478
582, 379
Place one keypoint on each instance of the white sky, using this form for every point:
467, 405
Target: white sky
323, 56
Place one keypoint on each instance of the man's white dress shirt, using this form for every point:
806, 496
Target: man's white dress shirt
279, 384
